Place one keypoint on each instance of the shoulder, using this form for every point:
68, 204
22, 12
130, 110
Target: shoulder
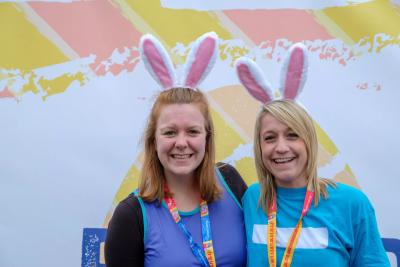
252, 193
232, 179
129, 204
128, 213
228, 172
254, 188
349, 192
351, 197
128, 219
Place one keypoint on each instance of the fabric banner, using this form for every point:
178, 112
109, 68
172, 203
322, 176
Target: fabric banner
74, 100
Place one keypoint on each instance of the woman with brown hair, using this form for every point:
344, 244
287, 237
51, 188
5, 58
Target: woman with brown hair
186, 212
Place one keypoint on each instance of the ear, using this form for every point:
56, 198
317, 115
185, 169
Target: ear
201, 59
294, 72
252, 78
157, 61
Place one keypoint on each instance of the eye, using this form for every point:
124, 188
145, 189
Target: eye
193, 132
269, 138
292, 136
168, 133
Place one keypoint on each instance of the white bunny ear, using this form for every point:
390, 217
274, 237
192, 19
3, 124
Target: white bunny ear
294, 72
157, 61
252, 78
201, 59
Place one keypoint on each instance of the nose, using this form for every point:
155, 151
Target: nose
281, 146
181, 141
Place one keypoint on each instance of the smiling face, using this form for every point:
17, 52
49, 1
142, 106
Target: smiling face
283, 153
180, 140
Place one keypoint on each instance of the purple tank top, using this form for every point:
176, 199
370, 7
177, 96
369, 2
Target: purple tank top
166, 246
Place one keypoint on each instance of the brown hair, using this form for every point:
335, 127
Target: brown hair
295, 117
152, 180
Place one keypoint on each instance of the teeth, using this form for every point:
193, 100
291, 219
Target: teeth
184, 156
283, 160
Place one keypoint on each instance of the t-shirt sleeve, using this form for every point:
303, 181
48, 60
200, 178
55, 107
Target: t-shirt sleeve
368, 247
124, 242
233, 179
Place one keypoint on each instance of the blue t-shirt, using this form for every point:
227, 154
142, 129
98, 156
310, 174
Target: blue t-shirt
340, 231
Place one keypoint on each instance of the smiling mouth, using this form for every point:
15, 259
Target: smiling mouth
181, 156
283, 160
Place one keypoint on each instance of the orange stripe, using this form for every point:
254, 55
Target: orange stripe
97, 27
6, 93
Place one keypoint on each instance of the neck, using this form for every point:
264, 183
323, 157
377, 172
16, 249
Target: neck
185, 192
179, 184
297, 183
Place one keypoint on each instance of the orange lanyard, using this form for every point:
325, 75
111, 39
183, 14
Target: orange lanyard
294, 237
206, 256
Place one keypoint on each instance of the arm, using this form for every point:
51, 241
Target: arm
368, 250
233, 180
124, 242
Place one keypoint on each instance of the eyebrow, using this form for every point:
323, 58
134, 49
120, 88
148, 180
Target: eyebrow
173, 126
287, 130
266, 132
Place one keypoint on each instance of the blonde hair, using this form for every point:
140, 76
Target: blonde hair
152, 179
296, 118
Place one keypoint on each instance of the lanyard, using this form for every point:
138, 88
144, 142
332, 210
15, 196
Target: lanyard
206, 257
294, 237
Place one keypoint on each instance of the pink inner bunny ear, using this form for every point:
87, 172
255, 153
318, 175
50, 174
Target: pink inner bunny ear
294, 72
157, 61
201, 59
252, 79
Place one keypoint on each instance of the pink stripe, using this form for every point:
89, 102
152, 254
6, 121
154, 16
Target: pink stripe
203, 56
89, 27
252, 85
157, 64
294, 73
262, 25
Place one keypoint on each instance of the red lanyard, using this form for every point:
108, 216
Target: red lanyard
294, 237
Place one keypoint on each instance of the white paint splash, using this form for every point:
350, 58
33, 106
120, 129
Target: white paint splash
240, 152
203, 5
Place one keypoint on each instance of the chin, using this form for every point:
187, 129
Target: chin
183, 171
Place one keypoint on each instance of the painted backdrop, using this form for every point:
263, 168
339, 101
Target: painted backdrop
74, 98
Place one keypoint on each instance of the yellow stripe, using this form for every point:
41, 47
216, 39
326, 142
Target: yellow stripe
30, 86
331, 26
23, 46
133, 17
225, 137
352, 23
325, 141
176, 25
60, 84
247, 169
129, 184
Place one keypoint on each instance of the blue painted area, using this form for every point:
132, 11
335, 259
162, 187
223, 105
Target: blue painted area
92, 238
392, 245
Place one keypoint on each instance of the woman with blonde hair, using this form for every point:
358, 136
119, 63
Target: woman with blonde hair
293, 217
186, 212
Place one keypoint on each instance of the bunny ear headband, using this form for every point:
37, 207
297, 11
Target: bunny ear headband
293, 76
199, 62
